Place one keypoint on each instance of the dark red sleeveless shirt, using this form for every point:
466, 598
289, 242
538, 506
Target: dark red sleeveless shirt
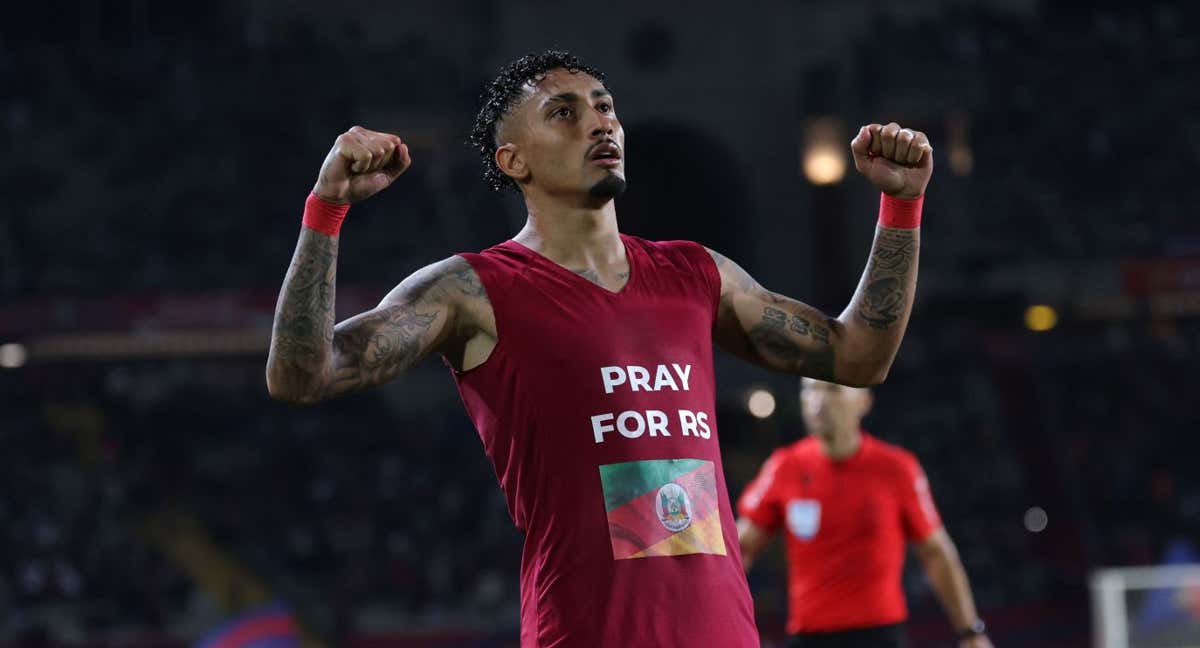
597, 410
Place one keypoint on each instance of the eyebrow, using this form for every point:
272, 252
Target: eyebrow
569, 97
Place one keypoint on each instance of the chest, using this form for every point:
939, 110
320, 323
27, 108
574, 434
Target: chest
573, 326
839, 501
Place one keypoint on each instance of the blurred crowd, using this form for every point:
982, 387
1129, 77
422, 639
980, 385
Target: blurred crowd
1076, 150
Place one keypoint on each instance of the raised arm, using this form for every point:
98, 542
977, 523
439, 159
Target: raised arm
432, 310
857, 347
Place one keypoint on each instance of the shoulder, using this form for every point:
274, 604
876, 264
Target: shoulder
900, 459
732, 276
779, 472
771, 467
769, 483
453, 274
673, 252
687, 259
678, 245
450, 282
791, 455
805, 446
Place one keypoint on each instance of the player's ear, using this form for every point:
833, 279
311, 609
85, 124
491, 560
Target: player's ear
511, 162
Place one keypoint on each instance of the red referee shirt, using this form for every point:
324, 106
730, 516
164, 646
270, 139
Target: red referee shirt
847, 524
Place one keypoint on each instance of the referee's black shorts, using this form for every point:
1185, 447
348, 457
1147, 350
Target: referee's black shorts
888, 636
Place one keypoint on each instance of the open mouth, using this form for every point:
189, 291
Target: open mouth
606, 153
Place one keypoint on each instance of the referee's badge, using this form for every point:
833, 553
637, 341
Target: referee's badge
804, 518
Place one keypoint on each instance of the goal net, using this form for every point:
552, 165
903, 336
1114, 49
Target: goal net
1146, 607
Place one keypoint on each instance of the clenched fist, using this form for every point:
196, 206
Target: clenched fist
361, 164
898, 161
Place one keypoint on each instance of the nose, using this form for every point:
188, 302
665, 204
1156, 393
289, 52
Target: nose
606, 126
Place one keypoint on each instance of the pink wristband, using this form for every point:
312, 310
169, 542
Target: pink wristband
902, 213
323, 216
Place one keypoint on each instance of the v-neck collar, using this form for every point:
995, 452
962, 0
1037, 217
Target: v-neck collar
574, 276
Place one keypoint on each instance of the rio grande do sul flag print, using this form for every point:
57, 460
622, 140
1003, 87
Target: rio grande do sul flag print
662, 507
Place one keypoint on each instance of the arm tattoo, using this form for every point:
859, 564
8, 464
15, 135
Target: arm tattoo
379, 345
468, 283
312, 359
787, 335
304, 315
883, 296
774, 338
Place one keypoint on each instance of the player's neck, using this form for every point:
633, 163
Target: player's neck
573, 235
842, 445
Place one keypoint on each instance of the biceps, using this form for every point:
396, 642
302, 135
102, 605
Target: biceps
778, 332
378, 345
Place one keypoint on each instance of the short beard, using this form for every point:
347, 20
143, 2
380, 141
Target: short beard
612, 186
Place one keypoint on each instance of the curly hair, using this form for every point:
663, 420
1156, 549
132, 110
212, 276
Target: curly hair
504, 93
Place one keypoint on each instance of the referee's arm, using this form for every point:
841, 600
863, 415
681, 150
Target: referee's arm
944, 569
752, 539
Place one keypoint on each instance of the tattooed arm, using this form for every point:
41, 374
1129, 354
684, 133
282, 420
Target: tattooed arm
858, 347
784, 334
441, 307
437, 308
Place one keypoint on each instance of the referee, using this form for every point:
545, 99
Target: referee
849, 503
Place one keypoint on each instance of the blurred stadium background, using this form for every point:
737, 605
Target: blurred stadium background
158, 155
